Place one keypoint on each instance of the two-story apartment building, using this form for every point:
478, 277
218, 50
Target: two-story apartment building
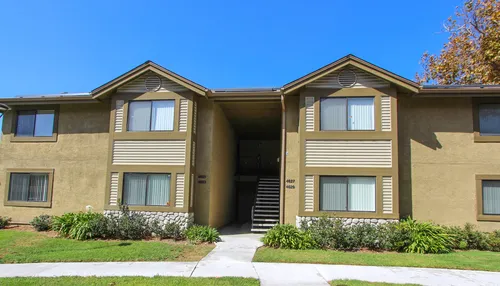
350, 140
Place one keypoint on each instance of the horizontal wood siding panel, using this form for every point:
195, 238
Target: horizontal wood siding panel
309, 113
191, 194
183, 115
386, 113
138, 84
113, 191
363, 79
165, 152
193, 154
119, 115
387, 195
309, 193
195, 116
179, 191
348, 153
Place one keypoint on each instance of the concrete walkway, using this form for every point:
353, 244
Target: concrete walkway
268, 273
233, 257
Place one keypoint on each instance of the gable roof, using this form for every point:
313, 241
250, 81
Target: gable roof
148, 66
358, 63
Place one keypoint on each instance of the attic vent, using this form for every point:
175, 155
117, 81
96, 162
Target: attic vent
152, 83
347, 78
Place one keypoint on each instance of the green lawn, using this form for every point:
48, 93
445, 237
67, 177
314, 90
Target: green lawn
362, 283
132, 281
26, 247
471, 260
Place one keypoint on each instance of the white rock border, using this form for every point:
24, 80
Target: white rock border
183, 219
345, 221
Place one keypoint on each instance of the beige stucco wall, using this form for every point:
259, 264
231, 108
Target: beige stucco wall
203, 161
216, 160
223, 167
292, 163
79, 159
439, 161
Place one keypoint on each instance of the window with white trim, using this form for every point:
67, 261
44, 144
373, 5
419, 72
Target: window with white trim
146, 189
347, 113
354, 194
491, 197
156, 115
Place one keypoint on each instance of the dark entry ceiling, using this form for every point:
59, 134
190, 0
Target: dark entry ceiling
254, 120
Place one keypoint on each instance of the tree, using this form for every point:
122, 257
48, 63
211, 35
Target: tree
472, 53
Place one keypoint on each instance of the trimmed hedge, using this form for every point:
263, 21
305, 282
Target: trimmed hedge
127, 226
408, 235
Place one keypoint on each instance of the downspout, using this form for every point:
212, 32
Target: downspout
283, 157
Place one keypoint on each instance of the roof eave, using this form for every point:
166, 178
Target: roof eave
112, 85
357, 62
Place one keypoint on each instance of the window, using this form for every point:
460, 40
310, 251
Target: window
29, 187
35, 123
491, 197
355, 194
146, 189
353, 113
151, 115
489, 119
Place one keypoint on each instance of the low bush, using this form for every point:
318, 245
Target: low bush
63, 224
129, 225
289, 237
468, 237
202, 233
333, 234
81, 225
42, 222
170, 230
4, 221
494, 241
422, 237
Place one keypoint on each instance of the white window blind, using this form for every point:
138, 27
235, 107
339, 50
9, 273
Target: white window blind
491, 197
354, 113
28, 187
146, 189
347, 194
151, 115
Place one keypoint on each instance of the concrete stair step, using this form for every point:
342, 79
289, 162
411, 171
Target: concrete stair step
259, 229
255, 219
259, 225
267, 215
266, 207
266, 211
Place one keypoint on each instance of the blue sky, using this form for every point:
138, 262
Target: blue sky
76, 46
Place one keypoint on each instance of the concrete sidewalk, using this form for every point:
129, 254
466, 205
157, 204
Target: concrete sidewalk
267, 273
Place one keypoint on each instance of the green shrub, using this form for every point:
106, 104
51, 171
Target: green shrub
422, 237
81, 225
88, 225
289, 237
468, 237
201, 233
63, 224
42, 222
494, 241
4, 221
170, 230
129, 225
330, 233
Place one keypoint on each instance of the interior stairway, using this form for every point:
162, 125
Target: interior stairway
266, 212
